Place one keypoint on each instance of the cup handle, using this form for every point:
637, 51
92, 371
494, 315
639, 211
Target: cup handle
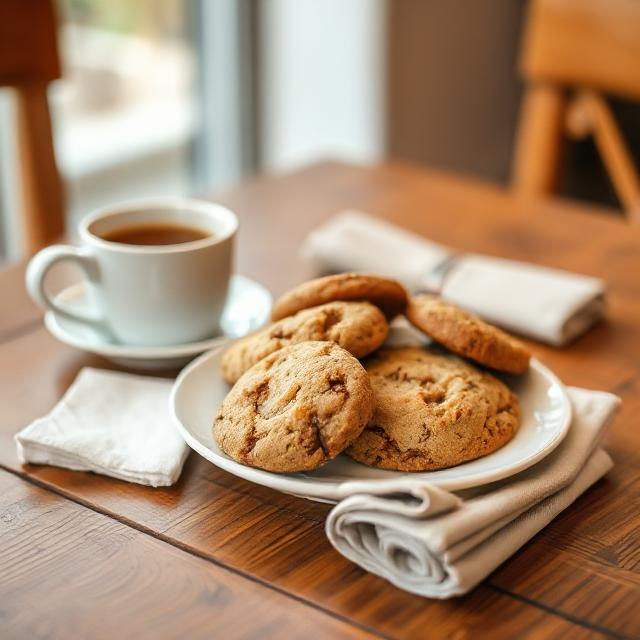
36, 275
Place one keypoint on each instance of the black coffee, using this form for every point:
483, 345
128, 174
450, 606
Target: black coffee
155, 233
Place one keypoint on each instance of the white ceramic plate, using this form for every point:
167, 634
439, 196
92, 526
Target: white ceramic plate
546, 416
248, 307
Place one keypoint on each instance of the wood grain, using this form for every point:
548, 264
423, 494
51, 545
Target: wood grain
277, 539
579, 576
68, 571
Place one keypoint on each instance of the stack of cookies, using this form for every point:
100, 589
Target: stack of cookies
316, 383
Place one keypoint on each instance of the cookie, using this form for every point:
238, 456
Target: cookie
387, 294
433, 411
467, 335
296, 408
358, 327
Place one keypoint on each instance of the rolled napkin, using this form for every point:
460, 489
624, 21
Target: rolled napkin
546, 304
116, 424
439, 544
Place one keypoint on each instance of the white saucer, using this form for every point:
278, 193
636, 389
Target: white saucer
248, 307
546, 417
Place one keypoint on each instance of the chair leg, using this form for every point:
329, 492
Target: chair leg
43, 198
615, 154
539, 145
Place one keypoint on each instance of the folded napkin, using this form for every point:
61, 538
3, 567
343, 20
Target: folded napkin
111, 423
438, 544
547, 304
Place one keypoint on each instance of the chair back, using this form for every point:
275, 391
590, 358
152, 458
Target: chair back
574, 51
29, 60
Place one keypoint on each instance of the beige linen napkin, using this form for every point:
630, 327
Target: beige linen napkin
116, 424
438, 544
547, 304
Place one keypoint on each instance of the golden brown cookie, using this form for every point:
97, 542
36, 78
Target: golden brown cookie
433, 411
467, 335
358, 327
295, 409
387, 294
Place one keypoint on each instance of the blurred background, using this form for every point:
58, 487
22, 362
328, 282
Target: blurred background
166, 97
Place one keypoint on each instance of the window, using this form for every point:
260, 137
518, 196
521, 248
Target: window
155, 100
124, 112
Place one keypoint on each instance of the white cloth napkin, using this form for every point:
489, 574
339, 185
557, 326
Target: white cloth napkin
438, 544
547, 304
116, 424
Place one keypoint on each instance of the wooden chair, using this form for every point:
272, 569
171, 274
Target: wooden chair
28, 62
574, 51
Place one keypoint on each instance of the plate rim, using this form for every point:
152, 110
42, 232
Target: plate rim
321, 490
130, 351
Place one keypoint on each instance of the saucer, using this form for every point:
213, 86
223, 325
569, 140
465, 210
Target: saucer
248, 307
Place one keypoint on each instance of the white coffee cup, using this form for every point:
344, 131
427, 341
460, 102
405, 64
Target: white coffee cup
147, 295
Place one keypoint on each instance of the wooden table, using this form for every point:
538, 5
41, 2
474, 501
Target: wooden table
85, 556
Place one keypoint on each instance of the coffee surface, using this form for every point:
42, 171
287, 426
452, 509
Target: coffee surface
153, 234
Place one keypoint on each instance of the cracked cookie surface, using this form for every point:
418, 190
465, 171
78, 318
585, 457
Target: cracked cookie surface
387, 294
467, 335
433, 411
296, 408
358, 327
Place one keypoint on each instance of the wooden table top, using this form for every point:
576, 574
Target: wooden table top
86, 556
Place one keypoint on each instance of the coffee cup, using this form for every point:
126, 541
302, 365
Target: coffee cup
157, 270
